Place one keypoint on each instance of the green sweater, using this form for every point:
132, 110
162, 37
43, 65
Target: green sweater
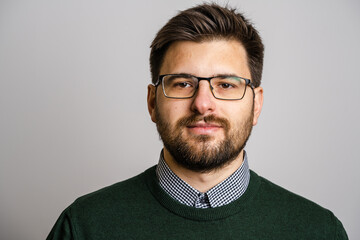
138, 208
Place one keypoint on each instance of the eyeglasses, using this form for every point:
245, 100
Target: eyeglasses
224, 87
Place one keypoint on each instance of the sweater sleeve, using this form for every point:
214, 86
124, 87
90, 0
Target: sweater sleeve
62, 230
340, 233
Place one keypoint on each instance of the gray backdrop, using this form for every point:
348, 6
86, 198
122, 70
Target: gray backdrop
73, 115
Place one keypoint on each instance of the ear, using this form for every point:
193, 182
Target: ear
258, 103
151, 101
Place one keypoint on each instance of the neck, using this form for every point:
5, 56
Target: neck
203, 181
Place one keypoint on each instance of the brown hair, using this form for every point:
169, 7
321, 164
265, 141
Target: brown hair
209, 22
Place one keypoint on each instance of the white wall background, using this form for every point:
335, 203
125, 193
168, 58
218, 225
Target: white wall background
73, 116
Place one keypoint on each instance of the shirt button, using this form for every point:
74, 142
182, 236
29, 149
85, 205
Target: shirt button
202, 198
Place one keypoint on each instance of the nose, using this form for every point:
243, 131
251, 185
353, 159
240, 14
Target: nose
203, 101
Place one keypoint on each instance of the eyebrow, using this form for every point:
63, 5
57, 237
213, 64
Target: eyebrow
226, 75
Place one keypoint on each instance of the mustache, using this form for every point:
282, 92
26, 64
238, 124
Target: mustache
186, 121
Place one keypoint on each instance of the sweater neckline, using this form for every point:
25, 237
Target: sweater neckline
208, 214
221, 194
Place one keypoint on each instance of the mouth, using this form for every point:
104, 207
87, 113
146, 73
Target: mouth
209, 126
202, 128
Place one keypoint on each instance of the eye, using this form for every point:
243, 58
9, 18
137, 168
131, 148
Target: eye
225, 85
182, 84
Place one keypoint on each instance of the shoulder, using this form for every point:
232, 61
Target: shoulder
294, 211
123, 193
97, 212
277, 195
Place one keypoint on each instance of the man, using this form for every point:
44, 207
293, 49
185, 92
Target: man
206, 66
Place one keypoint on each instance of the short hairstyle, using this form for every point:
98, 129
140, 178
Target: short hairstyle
208, 22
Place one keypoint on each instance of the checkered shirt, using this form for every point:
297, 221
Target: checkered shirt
223, 193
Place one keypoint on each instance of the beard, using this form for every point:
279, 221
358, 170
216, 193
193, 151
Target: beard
202, 153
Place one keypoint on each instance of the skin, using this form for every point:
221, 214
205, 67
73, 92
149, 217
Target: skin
205, 59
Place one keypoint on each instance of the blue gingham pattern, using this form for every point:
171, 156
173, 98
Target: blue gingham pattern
223, 193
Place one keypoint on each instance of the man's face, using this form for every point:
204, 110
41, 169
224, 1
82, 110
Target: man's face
204, 133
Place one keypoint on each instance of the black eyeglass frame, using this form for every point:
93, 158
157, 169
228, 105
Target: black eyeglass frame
161, 77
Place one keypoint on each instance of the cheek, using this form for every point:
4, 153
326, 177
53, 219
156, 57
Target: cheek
174, 106
237, 114
171, 111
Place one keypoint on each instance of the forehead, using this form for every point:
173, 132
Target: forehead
206, 59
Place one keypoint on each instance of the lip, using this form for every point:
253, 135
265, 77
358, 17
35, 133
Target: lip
204, 128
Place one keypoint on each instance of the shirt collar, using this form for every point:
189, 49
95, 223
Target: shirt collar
223, 193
